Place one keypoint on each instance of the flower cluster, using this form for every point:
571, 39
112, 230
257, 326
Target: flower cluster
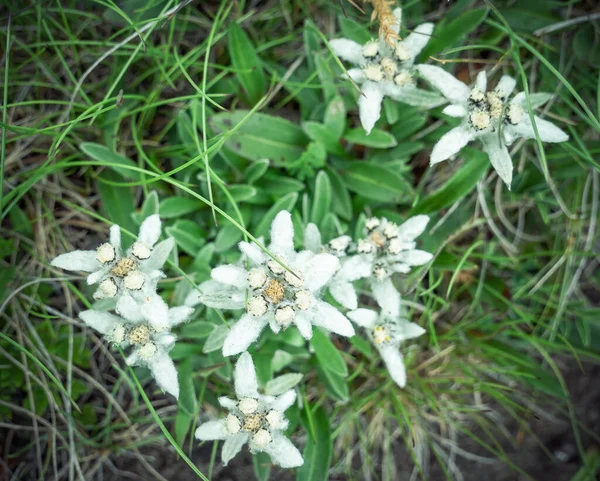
254, 419
129, 282
491, 117
386, 71
287, 289
281, 291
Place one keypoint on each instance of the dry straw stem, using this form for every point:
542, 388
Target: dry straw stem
387, 20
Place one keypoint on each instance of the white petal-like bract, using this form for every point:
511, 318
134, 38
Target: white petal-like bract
211, 431
163, 370
282, 234
150, 230
243, 333
369, 105
450, 143
103, 322
84, 261
283, 452
246, 384
364, 317
499, 157
450, 87
330, 318
394, 363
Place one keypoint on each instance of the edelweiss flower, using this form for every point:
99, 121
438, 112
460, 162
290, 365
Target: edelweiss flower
276, 296
117, 273
254, 419
490, 117
352, 267
151, 342
389, 248
386, 71
386, 331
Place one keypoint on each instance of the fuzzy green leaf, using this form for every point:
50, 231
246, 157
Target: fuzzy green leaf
247, 64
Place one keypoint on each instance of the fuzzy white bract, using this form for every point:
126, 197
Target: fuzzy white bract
387, 331
388, 248
490, 117
151, 342
280, 292
253, 419
117, 273
386, 71
352, 268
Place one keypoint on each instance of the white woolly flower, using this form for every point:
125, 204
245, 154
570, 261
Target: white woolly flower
116, 272
386, 71
289, 295
351, 269
151, 343
489, 117
388, 248
253, 419
387, 331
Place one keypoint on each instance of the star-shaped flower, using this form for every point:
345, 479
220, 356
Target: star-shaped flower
387, 331
489, 117
151, 341
351, 269
118, 273
388, 248
279, 292
254, 419
386, 71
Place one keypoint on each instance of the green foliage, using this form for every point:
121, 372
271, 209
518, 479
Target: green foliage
510, 289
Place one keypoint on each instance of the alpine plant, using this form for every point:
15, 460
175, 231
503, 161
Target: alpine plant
388, 248
387, 330
491, 117
280, 292
116, 272
383, 70
253, 419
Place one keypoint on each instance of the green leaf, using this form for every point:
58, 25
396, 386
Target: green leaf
323, 135
317, 452
335, 116
459, 185
262, 465
247, 64
353, 30
280, 359
327, 354
104, 155
188, 235
256, 170
285, 203
322, 198
362, 345
451, 33
228, 236
376, 182
197, 330
216, 339
242, 192
187, 393
178, 206
150, 205
342, 203
330, 226
278, 185
262, 136
378, 139
118, 202
283, 383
